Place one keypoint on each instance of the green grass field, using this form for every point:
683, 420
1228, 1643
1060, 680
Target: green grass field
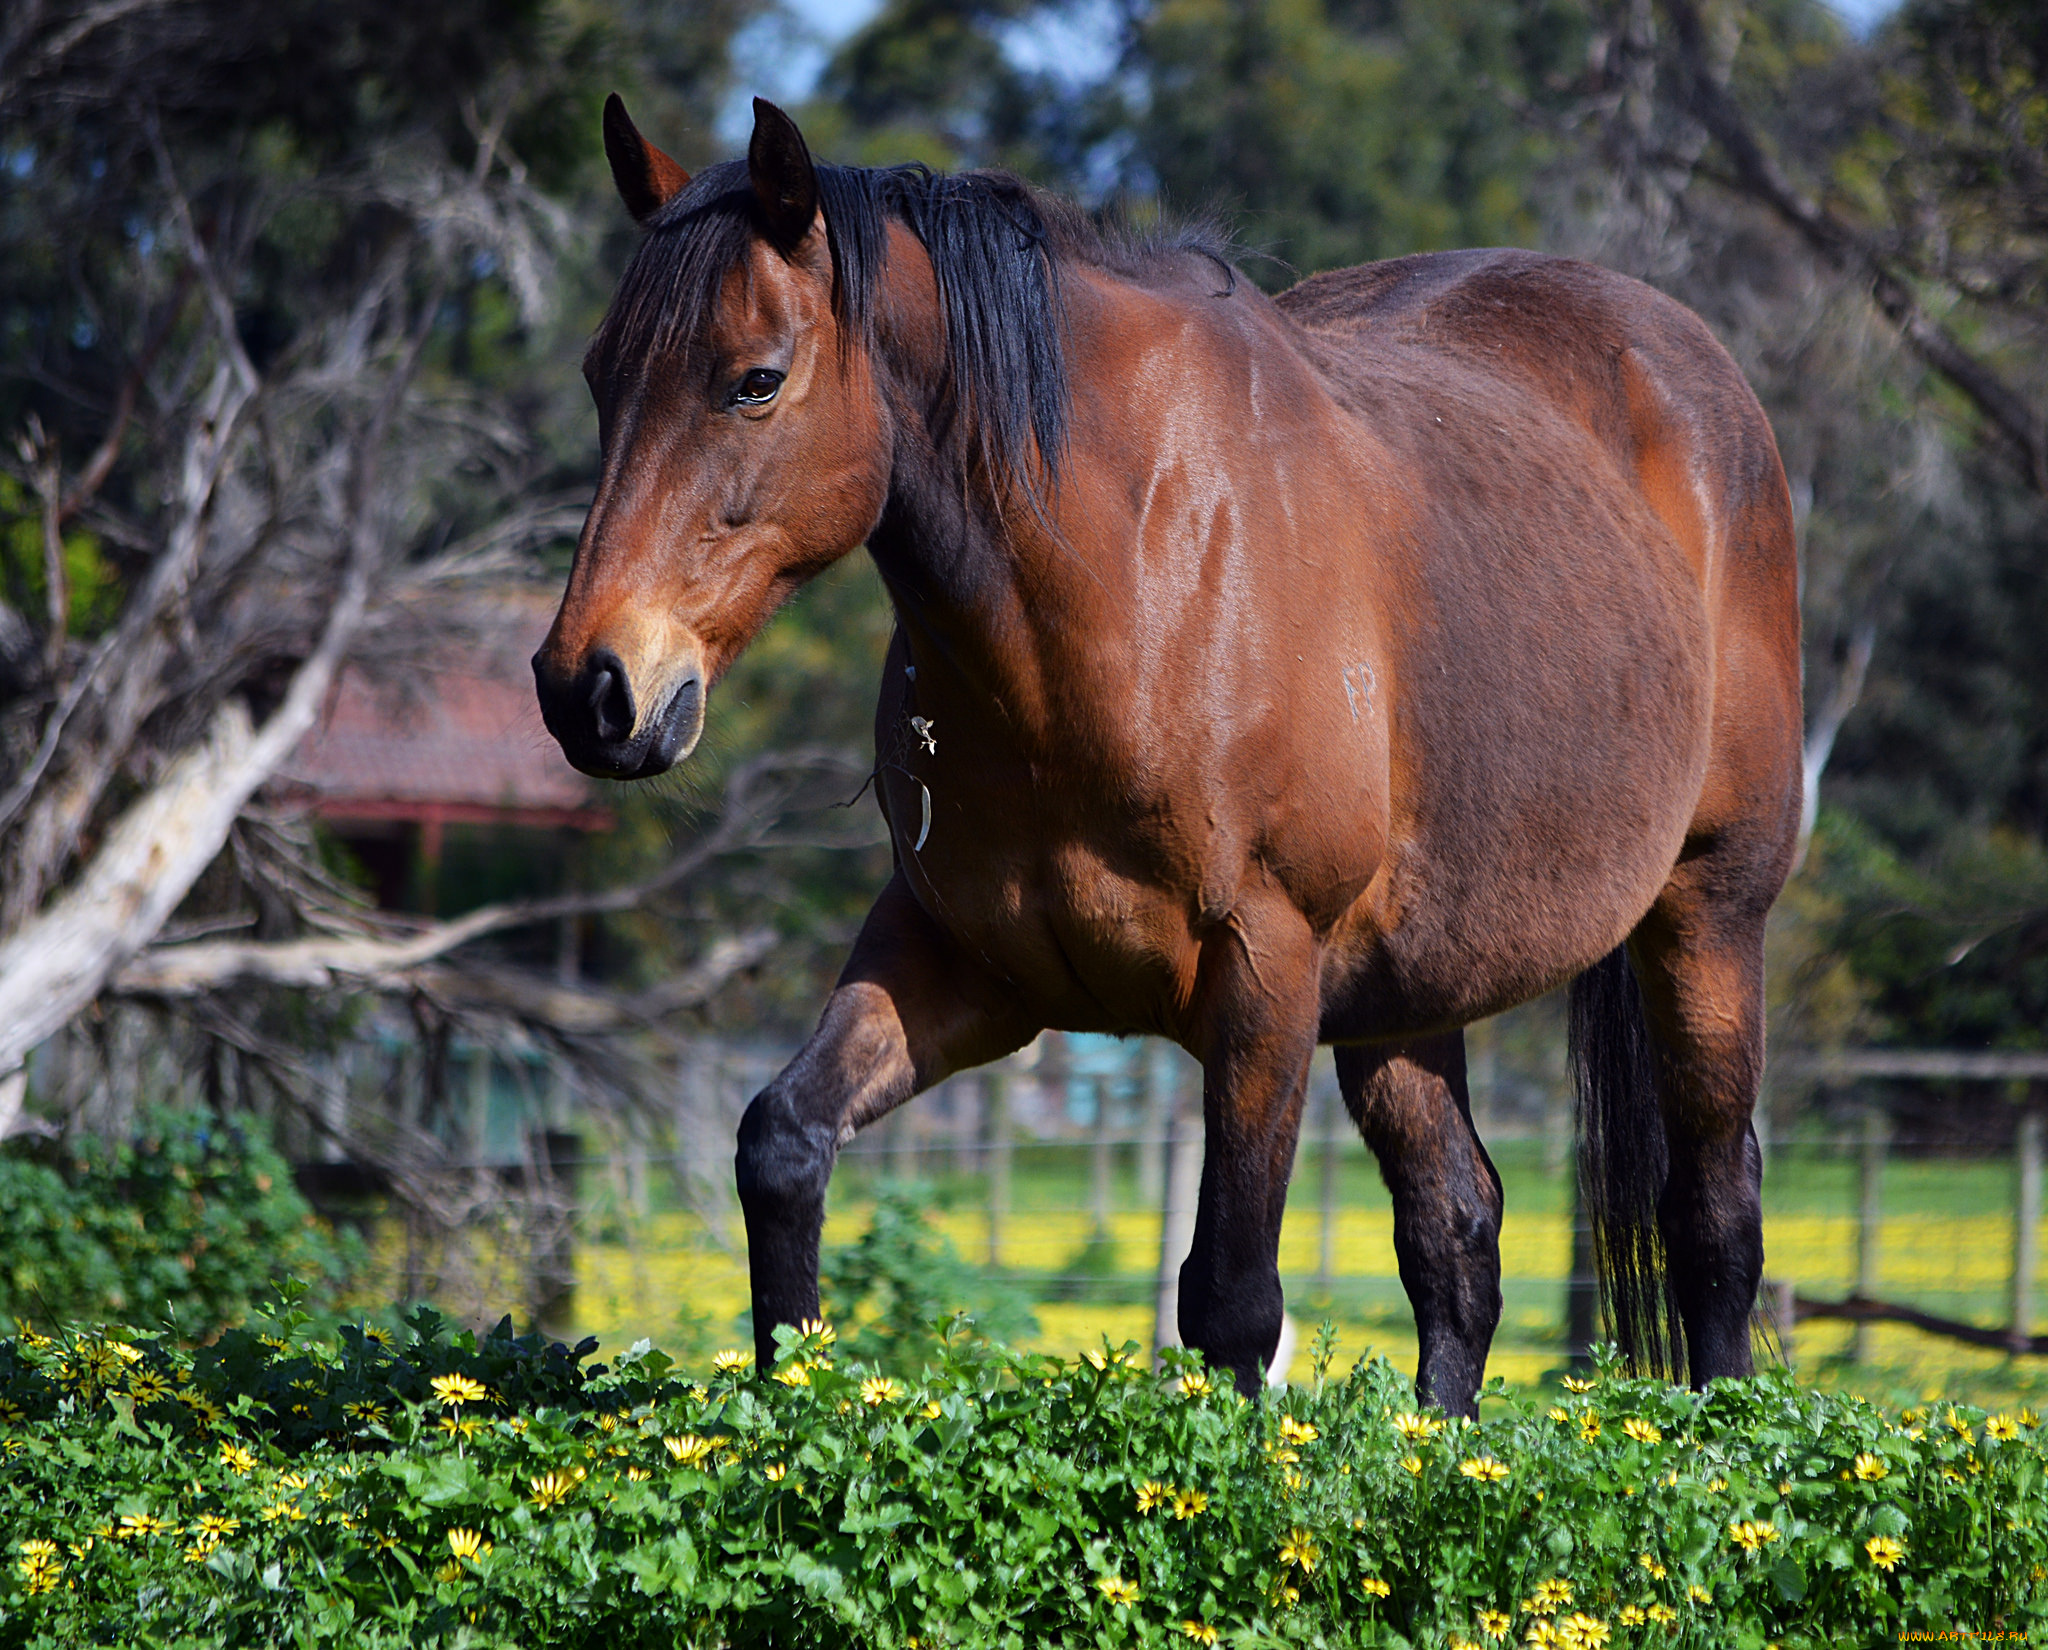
1946, 1245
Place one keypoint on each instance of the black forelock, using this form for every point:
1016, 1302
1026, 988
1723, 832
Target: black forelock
996, 247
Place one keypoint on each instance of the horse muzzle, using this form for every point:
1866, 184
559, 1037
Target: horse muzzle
600, 725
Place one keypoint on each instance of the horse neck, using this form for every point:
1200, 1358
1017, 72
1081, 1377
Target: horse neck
994, 581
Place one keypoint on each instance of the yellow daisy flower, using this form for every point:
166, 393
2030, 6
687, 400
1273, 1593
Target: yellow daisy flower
457, 1389
1642, 1431
878, 1390
1117, 1590
691, 1450
142, 1524
1300, 1548
1375, 1586
1297, 1432
551, 1489
1200, 1631
1189, 1503
1417, 1429
468, 1544
1583, 1632
1885, 1551
1484, 1468
1494, 1623
730, 1362
1870, 1467
1152, 1494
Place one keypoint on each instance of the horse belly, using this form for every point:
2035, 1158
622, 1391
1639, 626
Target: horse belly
1549, 760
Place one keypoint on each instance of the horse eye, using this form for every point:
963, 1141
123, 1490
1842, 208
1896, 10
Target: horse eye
758, 388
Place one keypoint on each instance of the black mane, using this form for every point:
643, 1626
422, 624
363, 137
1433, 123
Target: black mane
996, 246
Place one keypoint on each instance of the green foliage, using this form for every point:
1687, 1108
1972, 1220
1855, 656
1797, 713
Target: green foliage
1348, 132
89, 588
187, 1221
466, 1491
900, 1277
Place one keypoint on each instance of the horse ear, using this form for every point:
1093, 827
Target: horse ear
648, 180
785, 182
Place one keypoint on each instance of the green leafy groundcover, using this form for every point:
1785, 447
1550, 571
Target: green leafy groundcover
438, 1488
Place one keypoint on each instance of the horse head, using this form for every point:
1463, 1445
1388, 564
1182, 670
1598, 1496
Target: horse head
744, 445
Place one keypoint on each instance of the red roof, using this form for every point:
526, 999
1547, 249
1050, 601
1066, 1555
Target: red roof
459, 742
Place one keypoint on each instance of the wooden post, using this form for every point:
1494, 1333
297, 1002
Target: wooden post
963, 1102
479, 1102
1557, 1131
1482, 1071
995, 1089
1332, 1139
1183, 1189
1582, 1290
1870, 1217
1103, 1162
2026, 1227
1151, 1123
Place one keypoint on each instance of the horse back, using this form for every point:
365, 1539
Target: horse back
1637, 370
1607, 608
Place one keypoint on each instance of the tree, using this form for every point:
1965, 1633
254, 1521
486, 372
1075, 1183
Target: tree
289, 375
1862, 220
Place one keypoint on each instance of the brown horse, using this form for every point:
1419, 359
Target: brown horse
1338, 667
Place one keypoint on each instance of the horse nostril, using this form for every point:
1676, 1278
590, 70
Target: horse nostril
610, 697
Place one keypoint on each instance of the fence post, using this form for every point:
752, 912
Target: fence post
1582, 1290
1869, 1218
995, 1089
1151, 1124
1102, 1165
1788, 1317
1177, 1217
1326, 1255
2026, 1228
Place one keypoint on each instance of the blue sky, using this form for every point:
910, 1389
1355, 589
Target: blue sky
782, 57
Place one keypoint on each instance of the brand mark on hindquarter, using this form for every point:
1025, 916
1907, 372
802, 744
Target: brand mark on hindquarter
1359, 682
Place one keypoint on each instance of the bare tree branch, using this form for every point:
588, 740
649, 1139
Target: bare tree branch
2015, 426
755, 798
1827, 724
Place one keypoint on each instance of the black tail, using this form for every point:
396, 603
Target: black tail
1622, 1163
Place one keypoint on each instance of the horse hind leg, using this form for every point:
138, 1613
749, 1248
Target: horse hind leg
1668, 1047
1702, 974
1410, 1103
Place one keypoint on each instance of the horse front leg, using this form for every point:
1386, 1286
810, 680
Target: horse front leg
1410, 1103
910, 1009
1256, 1012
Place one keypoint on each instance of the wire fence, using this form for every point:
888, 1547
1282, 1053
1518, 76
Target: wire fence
1072, 1170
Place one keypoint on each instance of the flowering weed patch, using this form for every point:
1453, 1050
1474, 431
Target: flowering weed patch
446, 1489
